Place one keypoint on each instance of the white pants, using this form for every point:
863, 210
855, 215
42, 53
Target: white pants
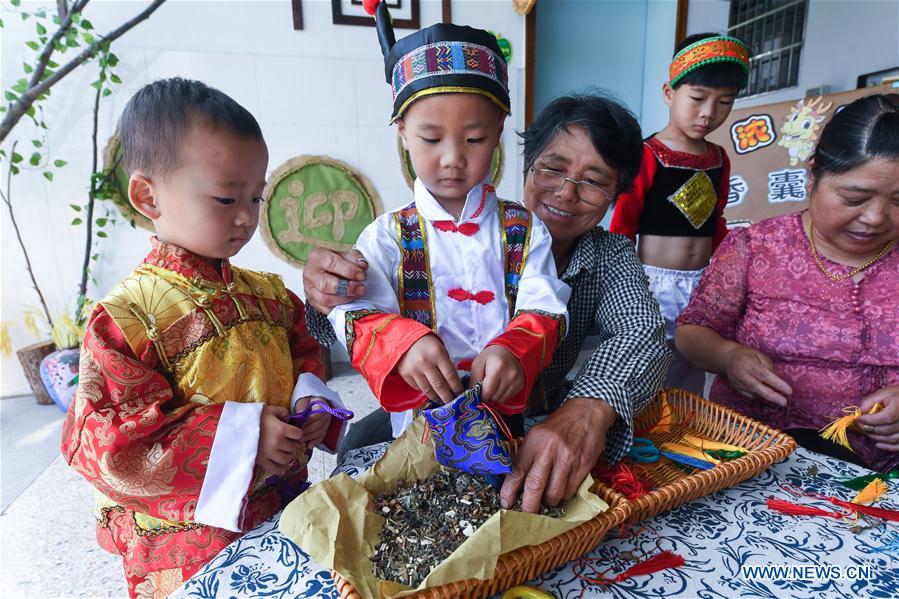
672, 289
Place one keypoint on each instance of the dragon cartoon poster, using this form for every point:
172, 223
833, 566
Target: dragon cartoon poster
769, 147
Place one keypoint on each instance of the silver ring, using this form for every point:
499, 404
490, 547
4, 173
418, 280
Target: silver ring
869, 428
342, 286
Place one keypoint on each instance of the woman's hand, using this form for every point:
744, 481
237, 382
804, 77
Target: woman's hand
751, 374
883, 426
331, 279
557, 454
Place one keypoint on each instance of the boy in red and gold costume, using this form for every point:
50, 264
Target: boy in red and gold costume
190, 367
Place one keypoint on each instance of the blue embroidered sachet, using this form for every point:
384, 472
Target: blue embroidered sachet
467, 437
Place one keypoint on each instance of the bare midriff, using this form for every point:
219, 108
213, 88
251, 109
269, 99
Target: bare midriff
676, 253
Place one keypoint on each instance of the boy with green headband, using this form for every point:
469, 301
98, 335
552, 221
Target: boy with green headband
676, 204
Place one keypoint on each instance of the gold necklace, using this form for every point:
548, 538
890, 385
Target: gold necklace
837, 277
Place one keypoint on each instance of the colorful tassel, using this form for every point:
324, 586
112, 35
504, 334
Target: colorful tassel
707, 444
871, 493
875, 512
860, 482
855, 508
792, 509
837, 431
688, 461
622, 479
664, 423
690, 452
663, 560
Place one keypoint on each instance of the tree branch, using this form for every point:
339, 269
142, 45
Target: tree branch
91, 197
12, 217
44, 58
18, 109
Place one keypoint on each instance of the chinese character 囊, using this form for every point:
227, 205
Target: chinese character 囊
787, 185
752, 133
737, 190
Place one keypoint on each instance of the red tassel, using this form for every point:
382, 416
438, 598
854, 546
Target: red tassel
370, 6
657, 563
622, 479
792, 509
876, 512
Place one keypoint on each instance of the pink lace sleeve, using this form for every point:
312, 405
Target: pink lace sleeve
719, 299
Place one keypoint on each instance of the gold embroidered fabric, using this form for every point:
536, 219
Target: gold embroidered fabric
696, 199
216, 343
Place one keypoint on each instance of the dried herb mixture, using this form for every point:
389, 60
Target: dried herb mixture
427, 521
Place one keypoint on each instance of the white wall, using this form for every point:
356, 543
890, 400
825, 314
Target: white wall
843, 39
316, 91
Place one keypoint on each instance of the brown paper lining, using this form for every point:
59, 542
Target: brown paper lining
335, 523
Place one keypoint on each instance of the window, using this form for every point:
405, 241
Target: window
773, 31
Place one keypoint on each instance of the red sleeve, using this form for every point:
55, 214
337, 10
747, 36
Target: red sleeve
306, 354
629, 205
124, 434
532, 338
381, 340
723, 191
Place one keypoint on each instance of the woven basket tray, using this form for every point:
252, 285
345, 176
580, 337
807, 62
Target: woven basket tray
692, 414
525, 563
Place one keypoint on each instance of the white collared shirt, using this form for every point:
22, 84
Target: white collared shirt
473, 263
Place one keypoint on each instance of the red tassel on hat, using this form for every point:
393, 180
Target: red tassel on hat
370, 6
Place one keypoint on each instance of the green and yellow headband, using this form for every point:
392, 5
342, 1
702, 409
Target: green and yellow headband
722, 48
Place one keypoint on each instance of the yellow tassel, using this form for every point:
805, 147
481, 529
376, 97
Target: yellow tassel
836, 430
688, 451
871, 493
664, 423
704, 444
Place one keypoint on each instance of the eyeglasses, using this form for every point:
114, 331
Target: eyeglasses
587, 192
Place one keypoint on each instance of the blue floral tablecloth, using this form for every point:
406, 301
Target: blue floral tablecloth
718, 536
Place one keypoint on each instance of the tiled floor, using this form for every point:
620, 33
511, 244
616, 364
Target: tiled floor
47, 543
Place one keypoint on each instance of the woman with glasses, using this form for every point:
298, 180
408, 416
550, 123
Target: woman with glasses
580, 153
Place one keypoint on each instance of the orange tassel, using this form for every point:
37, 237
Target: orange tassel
664, 423
871, 493
837, 431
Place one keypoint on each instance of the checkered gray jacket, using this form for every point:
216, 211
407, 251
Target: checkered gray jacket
610, 298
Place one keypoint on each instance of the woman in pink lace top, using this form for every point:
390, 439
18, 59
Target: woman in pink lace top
799, 314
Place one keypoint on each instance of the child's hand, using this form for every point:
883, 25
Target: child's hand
427, 367
499, 373
279, 442
316, 427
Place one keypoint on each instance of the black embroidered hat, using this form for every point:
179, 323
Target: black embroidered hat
440, 59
